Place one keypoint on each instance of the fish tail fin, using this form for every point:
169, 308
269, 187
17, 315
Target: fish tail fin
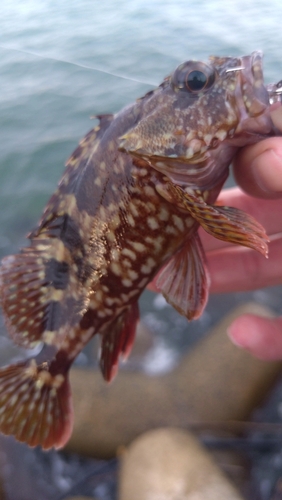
35, 405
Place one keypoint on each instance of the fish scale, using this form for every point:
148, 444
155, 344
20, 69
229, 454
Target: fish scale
128, 207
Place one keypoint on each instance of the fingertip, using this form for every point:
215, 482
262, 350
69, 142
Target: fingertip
267, 172
258, 335
258, 168
276, 116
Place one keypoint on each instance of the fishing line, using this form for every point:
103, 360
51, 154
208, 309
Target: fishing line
80, 65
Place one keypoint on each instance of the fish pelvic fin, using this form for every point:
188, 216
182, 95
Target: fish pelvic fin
117, 341
184, 280
35, 406
36, 293
225, 223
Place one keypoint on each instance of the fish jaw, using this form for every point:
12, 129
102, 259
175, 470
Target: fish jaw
252, 101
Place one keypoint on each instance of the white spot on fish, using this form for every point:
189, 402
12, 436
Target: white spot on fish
116, 268
139, 247
48, 337
130, 220
132, 274
178, 222
149, 191
126, 282
152, 223
170, 230
129, 253
163, 214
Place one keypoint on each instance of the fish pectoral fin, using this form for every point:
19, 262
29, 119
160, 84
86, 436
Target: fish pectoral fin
36, 407
184, 280
235, 226
118, 340
36, 295
225, 223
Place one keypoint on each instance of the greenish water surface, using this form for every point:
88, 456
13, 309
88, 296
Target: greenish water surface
62, 62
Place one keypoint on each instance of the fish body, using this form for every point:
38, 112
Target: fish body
129, 204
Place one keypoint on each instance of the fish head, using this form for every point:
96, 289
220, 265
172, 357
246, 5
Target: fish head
191, 126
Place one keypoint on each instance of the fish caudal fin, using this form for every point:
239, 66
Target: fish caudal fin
118, 340
35, 406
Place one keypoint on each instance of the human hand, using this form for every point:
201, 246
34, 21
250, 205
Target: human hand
258, 171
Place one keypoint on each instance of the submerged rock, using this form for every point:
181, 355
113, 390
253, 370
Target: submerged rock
170, 464
80, 498
214, 382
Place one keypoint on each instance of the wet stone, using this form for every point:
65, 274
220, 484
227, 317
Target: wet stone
80, 498
170, 464
214, 382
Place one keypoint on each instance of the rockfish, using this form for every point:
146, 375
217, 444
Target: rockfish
129, 205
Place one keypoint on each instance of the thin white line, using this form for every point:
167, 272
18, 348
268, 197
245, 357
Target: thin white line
238, 68
85, 66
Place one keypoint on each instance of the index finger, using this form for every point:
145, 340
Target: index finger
258, 167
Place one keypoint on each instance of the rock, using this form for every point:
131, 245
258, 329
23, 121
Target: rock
79, 498
170, 464
214, 382
142, 344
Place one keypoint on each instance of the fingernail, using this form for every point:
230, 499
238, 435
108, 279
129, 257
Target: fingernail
230, 332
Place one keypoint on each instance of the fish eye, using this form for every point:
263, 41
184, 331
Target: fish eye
196, 80
193, 77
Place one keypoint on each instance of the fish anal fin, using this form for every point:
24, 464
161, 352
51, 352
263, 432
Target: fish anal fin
118, 340
35, 406
184, 280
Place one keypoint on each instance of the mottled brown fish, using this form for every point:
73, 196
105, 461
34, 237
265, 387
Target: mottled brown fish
129, 204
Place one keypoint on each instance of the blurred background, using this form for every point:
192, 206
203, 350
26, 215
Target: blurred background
60, 63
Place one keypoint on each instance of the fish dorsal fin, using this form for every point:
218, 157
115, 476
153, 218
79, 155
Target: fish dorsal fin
118, 340
62, 199
37, 294
184, 280
105, 120
225, 223
89, 142
41, 293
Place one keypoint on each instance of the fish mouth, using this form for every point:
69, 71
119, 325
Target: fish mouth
254, 92
252, 99
274, 92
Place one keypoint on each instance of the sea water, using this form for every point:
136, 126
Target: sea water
63, 62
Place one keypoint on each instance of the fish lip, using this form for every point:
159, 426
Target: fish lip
257, 57
274, 92
254, 92
253, 64
252, 98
